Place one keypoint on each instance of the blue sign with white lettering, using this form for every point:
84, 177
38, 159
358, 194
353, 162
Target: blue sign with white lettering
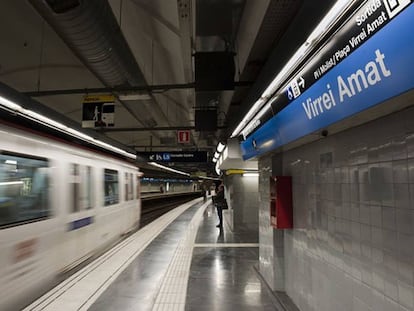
379, 69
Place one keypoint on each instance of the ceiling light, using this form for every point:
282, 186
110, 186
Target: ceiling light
210, 178
168, 169
217, 169
220, 147
127, 97
334, 13
251, 174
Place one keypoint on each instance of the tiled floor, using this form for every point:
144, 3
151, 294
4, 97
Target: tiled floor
222, 275
190, 265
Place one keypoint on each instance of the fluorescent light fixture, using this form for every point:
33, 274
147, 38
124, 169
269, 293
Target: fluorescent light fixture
39, 118
9, 104
10, 162
168, 169
220, 147
340, 7
225, 153
9, 183
127, 97
217, 169
210, 178
257, 105
251, 174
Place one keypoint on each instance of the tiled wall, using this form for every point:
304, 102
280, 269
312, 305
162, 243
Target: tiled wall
353, 243
266, 248
242, 194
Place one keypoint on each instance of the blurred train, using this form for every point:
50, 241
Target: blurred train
59, 205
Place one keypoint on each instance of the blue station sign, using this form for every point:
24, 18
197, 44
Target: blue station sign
379, 69
174, 156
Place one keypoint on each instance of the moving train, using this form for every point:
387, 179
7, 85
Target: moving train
59, 205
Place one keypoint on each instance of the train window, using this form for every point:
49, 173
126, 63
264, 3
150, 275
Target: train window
81, 185
75, 182
88, 188
111, 187
24, 188
138, 185
129, 192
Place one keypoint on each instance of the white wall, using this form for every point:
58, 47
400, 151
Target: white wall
353, 243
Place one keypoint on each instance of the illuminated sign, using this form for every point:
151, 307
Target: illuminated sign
378, 70
98, 111
174, 156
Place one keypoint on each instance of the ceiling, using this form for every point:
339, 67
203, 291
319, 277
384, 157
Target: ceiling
71, 47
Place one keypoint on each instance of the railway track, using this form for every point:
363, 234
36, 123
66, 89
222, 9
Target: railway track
154, 208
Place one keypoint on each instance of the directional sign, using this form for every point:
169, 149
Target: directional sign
175, 156
98, 111
183, 137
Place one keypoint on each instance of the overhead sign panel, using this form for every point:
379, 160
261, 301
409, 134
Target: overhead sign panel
98, 111
378, 70
174, 156
364, 23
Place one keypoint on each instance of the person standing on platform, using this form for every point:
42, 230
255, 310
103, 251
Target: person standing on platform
219, 202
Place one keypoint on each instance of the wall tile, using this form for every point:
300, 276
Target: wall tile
401, 196
405, 221
410, 170
406, 295
391, 286
354, 249
365, 214
410, 145
405, 246
406, 271
399, 149
376, 215
400, 171
389, 218
389, 240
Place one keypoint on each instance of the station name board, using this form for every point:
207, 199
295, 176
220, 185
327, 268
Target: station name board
379, 69
369, 18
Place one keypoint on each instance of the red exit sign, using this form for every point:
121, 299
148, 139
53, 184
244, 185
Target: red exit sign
183, 137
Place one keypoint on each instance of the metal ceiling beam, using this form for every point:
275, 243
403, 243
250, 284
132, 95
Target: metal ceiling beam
142, 129
128, 89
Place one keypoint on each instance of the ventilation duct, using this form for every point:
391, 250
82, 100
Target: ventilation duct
89, 28
92, 32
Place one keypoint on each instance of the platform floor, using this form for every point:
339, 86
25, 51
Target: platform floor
179, 262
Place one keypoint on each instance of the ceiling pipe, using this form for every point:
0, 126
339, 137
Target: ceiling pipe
91, 31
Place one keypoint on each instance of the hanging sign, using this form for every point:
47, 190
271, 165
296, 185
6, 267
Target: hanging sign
98, 111
174, 156
366, 21
378, 70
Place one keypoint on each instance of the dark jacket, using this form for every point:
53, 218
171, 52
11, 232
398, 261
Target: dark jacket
220, 200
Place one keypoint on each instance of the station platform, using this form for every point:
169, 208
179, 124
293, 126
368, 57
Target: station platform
181, 261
